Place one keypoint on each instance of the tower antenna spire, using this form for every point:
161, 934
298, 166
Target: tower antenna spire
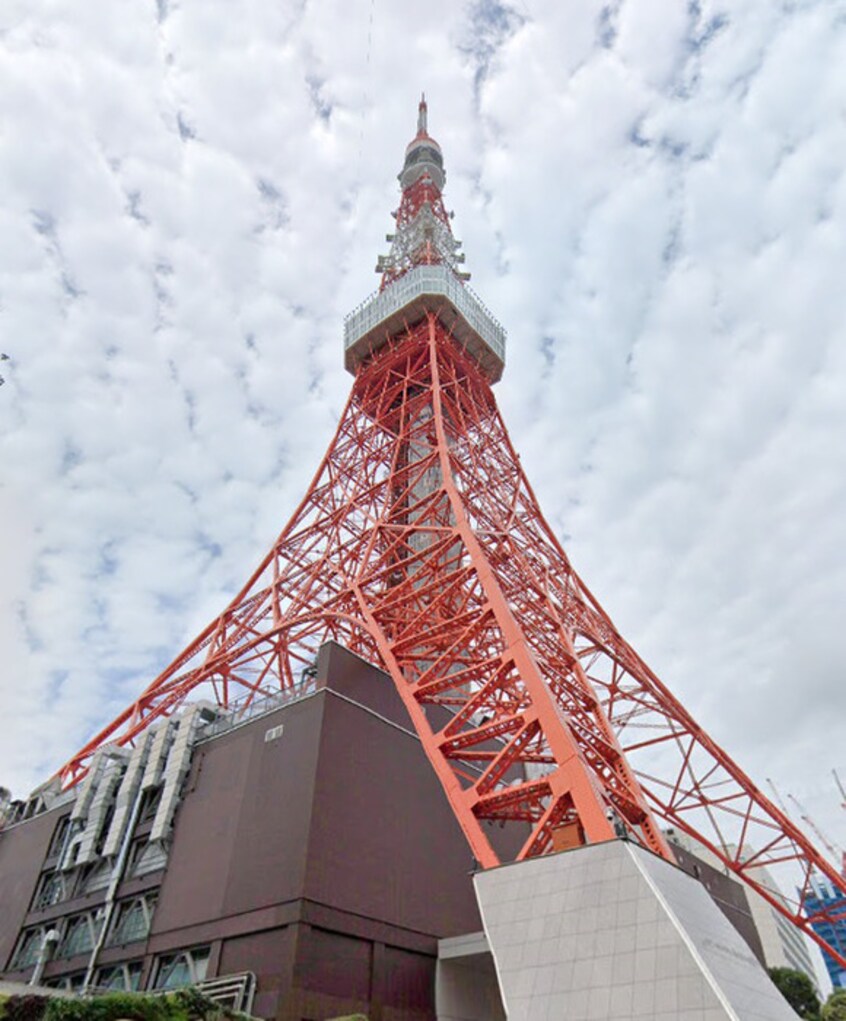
423, 232
422, 116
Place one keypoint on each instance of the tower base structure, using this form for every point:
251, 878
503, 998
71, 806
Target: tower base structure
310, 865
608, 932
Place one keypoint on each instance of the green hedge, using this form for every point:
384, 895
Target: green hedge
184, 1005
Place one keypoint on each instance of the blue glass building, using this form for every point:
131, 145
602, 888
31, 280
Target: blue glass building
823, 897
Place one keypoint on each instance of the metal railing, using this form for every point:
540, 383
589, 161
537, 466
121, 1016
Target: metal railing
238, 715
416, 282
233, 991
236, 992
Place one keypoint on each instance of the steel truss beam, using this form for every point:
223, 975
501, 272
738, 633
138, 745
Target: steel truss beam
420, 546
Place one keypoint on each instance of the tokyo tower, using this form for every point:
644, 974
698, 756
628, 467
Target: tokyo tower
420, 547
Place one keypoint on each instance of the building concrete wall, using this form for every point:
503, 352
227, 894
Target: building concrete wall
610, 931
384, 842
782, 945
466, 987
23, 849
241, 833
728, 894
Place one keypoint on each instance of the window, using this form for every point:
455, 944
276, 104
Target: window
145, 857
80, 933
29, 947
51, 890
133, 918
120, 976
104, 829
185, 968
97, 877
73, 983
150, 803
59, 834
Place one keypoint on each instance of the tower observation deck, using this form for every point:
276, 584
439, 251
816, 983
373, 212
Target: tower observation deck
421, 273
405, 302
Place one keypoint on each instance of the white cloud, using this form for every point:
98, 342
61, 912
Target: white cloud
653, 203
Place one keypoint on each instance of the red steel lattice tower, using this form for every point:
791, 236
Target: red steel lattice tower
420, 546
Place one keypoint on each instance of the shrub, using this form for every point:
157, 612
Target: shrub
181, 1005
108, 1007
184, 1005
194, 1004
29, 1007
835, 1006
798, 990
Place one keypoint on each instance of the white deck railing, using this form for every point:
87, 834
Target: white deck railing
416, 282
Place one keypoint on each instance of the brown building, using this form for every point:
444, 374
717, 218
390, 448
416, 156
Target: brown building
300, 859
309, 846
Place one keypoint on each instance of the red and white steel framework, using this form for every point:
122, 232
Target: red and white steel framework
421, 547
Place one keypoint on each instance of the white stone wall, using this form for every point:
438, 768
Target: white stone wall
783, 944
610, 932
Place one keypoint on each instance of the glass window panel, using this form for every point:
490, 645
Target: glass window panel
73, 982
50, 892
183, 969
131, 924
200, 963
174, 972
133, 975
29, 948
150, 804
110, 978
133, 920
79, 936
146, 857
59, 834
98, 877
120, 976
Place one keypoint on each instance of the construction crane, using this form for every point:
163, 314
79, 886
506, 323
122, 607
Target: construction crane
778, 798
835, 853
840, 788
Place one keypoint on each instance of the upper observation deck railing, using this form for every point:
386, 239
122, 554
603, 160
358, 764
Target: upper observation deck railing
406, 300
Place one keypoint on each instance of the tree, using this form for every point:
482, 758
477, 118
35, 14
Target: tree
798, 990
835, 1006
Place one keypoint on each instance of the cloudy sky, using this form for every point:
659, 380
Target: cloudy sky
652, 199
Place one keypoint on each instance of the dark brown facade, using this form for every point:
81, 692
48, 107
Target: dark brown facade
727, 894
312, 846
